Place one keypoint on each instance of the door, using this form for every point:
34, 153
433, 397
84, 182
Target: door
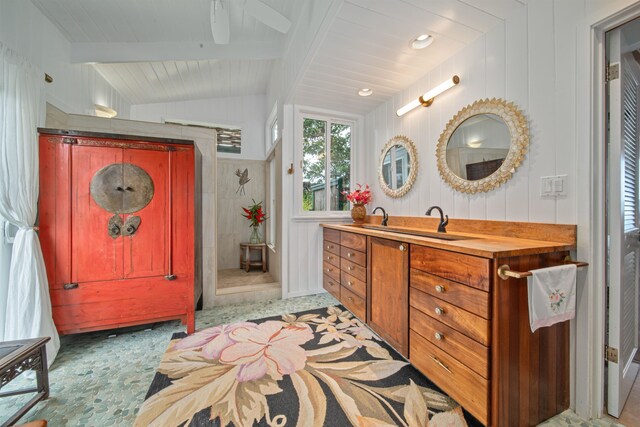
389, 291
622, 221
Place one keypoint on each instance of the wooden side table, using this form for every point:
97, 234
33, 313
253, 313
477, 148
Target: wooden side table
17, 357
245, 255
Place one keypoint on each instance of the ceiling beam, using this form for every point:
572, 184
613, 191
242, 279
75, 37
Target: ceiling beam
106, 53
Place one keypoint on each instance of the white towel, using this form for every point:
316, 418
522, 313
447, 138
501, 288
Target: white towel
552, 295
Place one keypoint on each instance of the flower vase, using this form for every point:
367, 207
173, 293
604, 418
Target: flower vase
358, 213
255, 236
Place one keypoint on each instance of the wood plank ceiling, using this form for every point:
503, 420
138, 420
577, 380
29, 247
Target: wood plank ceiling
162, 50
167, 35
368, 47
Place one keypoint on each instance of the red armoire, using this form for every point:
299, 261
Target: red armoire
118, 219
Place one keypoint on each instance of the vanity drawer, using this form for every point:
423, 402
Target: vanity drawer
470, 270
331, 235
467, 351
471, 299
356, 257
353, 302
465, 386
468, 323
353, 269
331, 258
331, 286
331, 270
353, 284
330, 246
354, 241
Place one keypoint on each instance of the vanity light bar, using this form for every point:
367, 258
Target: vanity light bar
427, 99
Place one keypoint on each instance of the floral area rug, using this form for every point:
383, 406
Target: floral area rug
316, 368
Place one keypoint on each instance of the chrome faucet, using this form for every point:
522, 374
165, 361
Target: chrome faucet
385, 215
443, 221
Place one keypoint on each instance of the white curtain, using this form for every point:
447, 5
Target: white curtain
22, 109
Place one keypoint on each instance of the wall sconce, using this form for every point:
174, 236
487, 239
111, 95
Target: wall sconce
106, 112
427, 99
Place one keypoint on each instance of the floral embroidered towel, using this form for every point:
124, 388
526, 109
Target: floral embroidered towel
552, 295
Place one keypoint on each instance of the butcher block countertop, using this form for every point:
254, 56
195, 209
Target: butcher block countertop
487, 239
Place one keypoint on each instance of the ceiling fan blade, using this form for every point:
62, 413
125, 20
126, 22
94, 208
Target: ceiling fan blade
267, 15
220, 22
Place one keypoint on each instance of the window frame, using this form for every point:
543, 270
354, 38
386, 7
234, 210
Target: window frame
269, 138
271, 226
331, 117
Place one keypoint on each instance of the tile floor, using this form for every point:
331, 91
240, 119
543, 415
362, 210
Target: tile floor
101, 378
235, 277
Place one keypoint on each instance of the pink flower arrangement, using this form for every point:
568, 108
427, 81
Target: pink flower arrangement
359, 196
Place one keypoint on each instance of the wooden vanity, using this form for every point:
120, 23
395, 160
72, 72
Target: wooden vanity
441, 304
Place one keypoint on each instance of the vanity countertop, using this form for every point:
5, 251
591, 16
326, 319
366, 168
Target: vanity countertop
478, 244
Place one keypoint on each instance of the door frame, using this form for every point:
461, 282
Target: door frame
588, 382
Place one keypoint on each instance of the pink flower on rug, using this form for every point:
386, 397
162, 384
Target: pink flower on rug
212, 341
272, 347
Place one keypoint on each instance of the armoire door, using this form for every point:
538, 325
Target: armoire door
95, 255
147, 250
120, 202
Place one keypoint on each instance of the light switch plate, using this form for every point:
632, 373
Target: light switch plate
553, 186
560, 185
546, 186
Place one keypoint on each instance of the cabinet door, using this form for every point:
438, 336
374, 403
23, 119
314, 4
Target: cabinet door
146, 252
389, 291
95, 255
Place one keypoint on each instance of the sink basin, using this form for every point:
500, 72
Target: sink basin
413, 232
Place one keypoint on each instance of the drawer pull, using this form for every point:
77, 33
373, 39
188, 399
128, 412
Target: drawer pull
442, 365
439, 311
439, 288
350, 299
329, 246
349, 283
329, 270
350, 254
402, 248
349, 268
329, 257
69, 286
438, 336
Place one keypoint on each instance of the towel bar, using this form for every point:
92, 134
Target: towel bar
504, 272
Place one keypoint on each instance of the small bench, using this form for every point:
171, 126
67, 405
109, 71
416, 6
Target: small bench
245, 255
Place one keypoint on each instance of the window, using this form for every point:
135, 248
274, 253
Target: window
326, 159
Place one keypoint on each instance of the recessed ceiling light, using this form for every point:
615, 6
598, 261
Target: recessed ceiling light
422, 41
365, 92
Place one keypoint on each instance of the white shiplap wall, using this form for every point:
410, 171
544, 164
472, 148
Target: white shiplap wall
529, 59
248, 112
76, 88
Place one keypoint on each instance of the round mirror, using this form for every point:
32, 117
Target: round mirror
398, 166
482, 145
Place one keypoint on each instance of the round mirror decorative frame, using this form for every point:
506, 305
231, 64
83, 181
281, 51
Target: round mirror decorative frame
413, 168
518, 129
